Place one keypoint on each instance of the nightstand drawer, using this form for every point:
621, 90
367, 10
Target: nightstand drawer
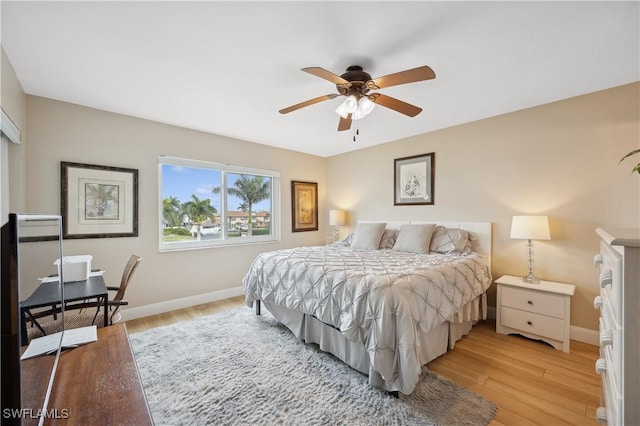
529, 322
534, 301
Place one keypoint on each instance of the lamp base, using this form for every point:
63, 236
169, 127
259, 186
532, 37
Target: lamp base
530, 279
336, 234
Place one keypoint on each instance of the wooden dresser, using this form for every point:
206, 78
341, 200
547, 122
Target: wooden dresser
97, 383
619, 305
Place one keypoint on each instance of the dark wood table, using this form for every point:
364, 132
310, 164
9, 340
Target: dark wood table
95, 384
49, 294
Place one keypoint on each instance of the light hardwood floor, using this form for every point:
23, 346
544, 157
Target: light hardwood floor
530, 382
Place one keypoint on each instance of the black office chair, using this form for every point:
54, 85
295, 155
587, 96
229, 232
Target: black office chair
86, 314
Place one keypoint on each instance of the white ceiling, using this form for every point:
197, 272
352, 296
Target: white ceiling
228, 67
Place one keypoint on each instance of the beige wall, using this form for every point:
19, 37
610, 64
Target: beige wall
60, 131
559, 159
14, 103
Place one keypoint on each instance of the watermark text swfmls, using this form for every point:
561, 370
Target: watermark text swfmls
30, 413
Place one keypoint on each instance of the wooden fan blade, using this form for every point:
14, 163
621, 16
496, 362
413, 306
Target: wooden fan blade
307, 103
345, 123
395, 104
403, 77
327, 75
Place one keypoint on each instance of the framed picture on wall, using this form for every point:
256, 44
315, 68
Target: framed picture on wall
98, 201
304, 206
413, 180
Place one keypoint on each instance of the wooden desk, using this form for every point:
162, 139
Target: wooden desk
97, 383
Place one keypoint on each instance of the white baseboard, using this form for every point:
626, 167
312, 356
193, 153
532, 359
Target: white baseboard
585, 335
184, 302
579, 334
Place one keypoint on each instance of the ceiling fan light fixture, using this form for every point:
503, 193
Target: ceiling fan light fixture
349, 106
356, 85
365, 106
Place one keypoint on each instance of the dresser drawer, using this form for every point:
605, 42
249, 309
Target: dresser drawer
611, 277
612, 401
530, 322
611, 352
534, 301
611, 395
609, 319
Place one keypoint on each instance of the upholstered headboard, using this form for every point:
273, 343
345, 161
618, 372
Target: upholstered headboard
480, 232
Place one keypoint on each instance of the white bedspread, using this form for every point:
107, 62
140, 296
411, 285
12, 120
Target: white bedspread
381, 298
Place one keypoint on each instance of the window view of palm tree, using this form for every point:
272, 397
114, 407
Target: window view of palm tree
214, 206
172, 211
198, 211
251, 190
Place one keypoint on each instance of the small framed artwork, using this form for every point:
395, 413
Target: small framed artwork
98, 201
304, 206
413, 180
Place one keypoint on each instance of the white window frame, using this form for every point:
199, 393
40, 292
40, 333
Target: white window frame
224, 168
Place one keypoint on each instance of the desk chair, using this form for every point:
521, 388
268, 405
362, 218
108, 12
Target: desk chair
86, 315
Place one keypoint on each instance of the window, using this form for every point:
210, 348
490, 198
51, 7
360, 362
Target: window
205, 204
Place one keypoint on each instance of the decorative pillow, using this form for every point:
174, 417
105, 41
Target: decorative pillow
389, 237
414, 238
368, 235
347, 241
448, 240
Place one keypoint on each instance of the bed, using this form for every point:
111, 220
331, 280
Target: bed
387, 300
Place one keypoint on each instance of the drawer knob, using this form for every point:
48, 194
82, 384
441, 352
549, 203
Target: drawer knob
530, 302
601, 414
601, 366
606, 278
597, 259
597, 302
606, 338
529, 323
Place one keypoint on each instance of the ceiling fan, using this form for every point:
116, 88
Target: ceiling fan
357, 85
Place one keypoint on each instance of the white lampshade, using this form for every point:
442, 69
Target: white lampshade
530, 228
349, 106
337, 217
365, 106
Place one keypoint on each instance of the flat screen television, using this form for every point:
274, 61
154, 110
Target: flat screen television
30, 245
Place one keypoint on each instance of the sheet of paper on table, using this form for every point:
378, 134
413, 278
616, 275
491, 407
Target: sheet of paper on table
72, 338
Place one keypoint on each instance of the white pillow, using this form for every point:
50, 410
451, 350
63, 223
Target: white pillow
368, 235
414, 238
450, 240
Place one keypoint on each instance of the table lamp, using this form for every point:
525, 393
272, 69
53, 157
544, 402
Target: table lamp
337, 219
530, 228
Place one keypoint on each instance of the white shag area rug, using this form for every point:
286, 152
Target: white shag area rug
236, 368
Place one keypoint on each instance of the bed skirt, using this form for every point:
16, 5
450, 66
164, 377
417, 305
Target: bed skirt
434, 343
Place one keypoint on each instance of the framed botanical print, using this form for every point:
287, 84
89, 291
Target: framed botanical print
98, 201
414, 180
304, 206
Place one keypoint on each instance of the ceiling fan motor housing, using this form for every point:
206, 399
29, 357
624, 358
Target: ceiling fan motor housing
358, 82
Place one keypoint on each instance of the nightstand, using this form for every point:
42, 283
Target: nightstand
538, 311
